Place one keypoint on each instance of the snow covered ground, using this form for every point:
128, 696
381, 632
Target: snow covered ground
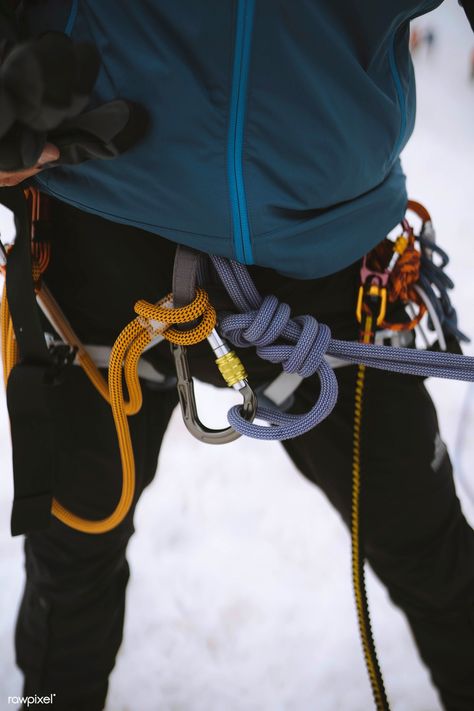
240, 597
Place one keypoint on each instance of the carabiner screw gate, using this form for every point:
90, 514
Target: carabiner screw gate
233, 372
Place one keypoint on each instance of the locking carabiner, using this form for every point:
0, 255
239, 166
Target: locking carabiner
234, 374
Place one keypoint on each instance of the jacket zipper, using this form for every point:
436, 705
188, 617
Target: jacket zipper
238, 104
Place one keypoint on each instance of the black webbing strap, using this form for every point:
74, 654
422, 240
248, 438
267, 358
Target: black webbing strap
29, 384
193, 269
468, 6
187, 267
33, 448
20, 288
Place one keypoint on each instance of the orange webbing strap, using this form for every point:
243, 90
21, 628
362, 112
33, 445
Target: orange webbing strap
151, 320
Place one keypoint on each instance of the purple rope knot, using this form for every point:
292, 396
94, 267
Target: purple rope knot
305, 356
302, 343
258, 327
307, 340
268, 323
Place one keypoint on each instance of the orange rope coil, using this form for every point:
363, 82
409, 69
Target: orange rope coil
199, 308
151, 320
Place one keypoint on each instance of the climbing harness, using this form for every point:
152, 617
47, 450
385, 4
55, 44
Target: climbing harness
396, 271
300, 344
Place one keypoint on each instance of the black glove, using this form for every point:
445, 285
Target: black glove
43, 82
102, 133
48, 80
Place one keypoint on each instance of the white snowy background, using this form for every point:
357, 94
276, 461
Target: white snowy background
240, 596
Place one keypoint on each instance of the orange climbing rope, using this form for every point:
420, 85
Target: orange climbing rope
152, 320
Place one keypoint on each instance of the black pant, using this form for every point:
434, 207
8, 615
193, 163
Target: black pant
417, 540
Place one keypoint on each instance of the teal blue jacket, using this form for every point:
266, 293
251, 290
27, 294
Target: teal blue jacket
275, 125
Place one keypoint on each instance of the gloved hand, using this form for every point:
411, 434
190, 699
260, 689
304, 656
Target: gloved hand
8, 179
43, 82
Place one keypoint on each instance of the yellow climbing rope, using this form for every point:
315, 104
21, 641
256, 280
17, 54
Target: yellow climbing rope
357, 558
399, 263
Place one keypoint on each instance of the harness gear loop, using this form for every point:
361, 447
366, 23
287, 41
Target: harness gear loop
233, 372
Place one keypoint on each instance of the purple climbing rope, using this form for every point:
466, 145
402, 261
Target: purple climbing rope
299, 344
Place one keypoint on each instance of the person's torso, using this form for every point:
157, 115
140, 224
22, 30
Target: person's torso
276, 125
